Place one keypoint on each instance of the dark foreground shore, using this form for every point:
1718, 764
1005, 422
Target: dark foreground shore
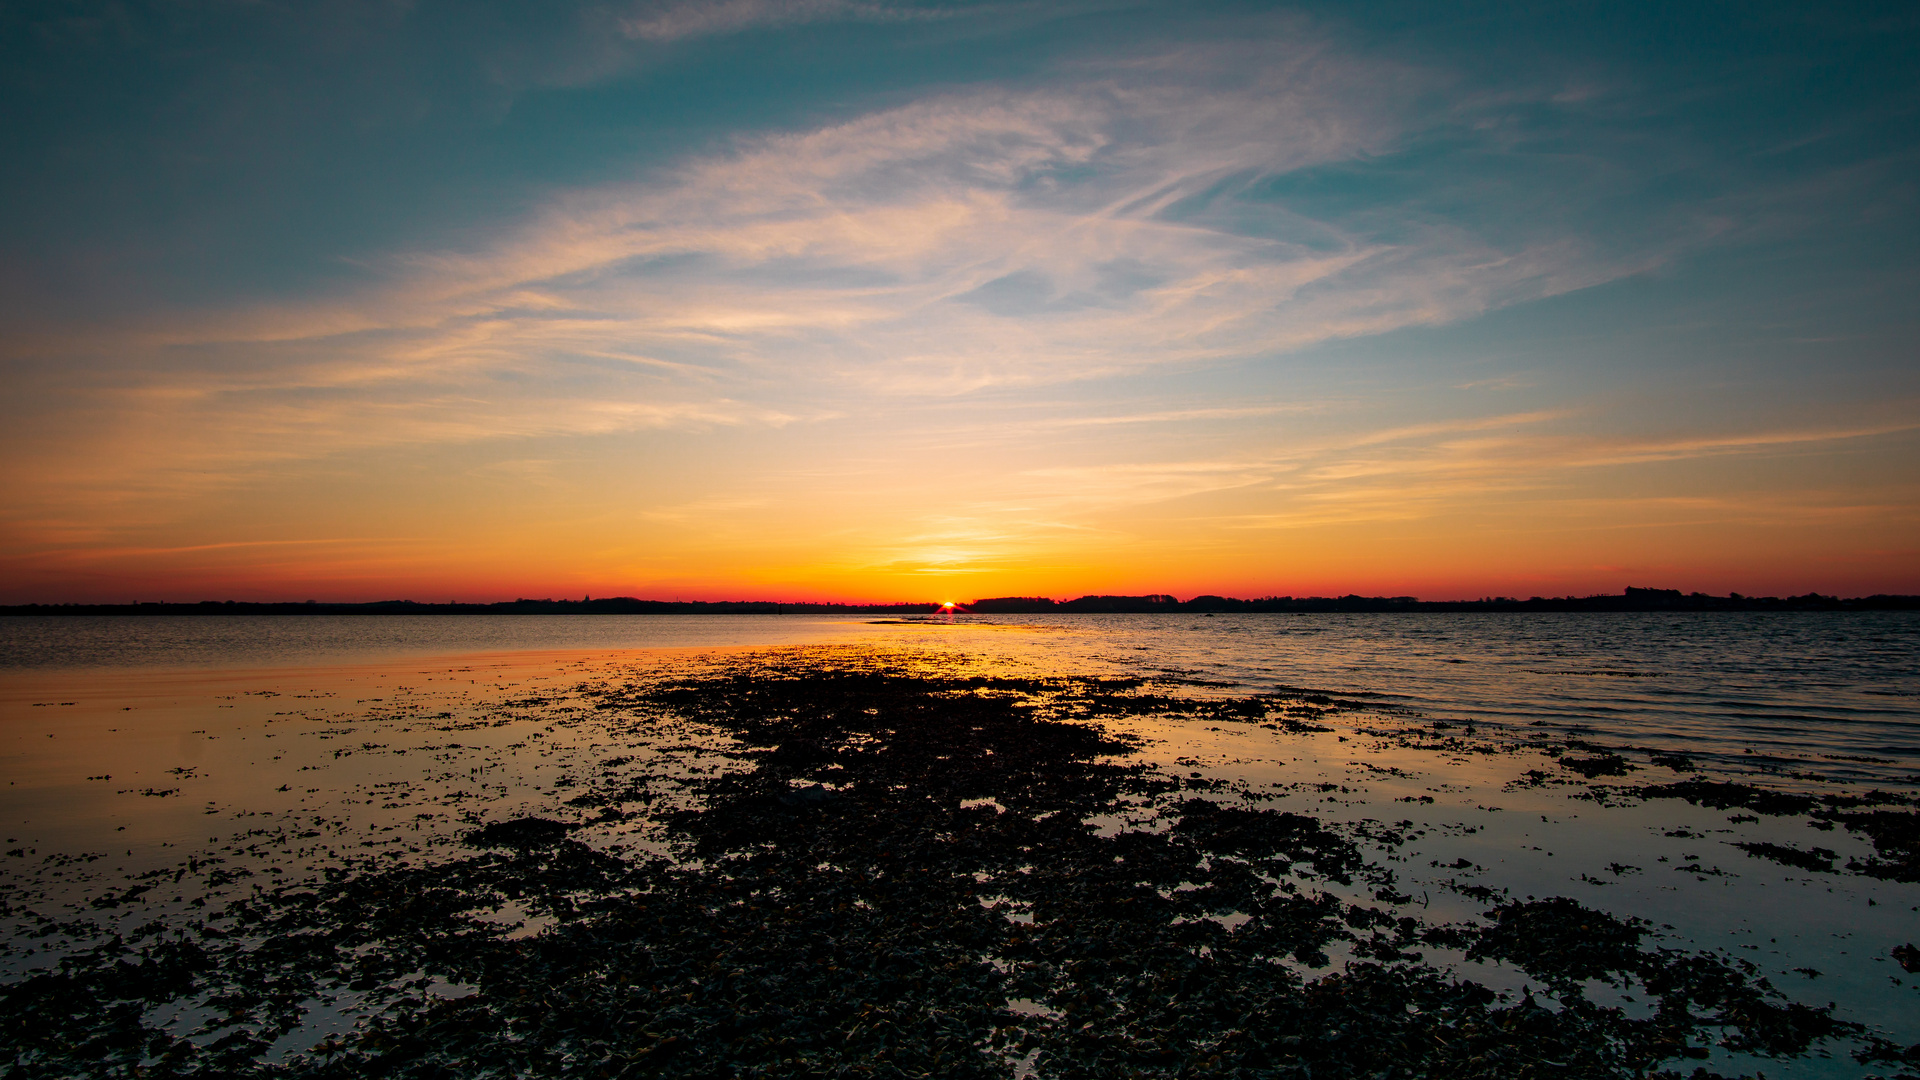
808, 865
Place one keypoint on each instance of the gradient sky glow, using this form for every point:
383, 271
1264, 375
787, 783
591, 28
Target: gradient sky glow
855, 299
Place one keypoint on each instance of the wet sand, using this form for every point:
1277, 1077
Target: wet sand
889, 861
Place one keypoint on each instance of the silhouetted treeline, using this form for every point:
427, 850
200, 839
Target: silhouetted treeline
1633, 599
614, 605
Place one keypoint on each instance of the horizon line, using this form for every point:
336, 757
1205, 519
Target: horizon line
996, 604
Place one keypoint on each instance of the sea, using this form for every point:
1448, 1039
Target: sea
129, 745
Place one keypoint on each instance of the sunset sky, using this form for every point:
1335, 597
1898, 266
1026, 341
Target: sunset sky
855, 299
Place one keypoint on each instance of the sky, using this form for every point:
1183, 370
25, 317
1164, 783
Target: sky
873, 300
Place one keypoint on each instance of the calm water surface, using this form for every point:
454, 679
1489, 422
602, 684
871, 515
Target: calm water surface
1831, 688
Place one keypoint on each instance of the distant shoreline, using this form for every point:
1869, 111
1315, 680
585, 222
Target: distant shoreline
1632, 600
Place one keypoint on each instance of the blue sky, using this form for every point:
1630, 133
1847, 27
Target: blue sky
831, 298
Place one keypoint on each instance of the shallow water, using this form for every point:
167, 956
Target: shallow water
220, 642
1794, 689
128, 748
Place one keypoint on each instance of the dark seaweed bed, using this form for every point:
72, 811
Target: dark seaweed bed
892, 872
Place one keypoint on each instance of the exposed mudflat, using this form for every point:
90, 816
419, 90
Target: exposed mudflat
862, 862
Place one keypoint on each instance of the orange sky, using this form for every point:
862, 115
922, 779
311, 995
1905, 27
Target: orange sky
1189, 301
1519, 508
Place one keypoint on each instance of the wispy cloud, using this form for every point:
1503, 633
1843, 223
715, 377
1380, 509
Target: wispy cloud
1181, 416
1400, 473
972, 240
700, 18
1099, 224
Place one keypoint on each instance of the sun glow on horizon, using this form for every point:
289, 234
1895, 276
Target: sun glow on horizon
1269, 308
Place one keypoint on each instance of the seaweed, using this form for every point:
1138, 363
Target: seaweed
523, 833
1561, 941
1728, 795
890, 873
1896, 840
1908, 957
1879, 1050
1819, 858
1600, 765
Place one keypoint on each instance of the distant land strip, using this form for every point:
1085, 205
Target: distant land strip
1634, 599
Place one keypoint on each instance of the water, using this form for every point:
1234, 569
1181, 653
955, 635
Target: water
1823, 687
129, 745
1740, 689
90, 642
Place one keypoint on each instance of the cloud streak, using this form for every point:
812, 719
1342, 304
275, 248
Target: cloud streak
991, 238
1026, 268
667, 22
